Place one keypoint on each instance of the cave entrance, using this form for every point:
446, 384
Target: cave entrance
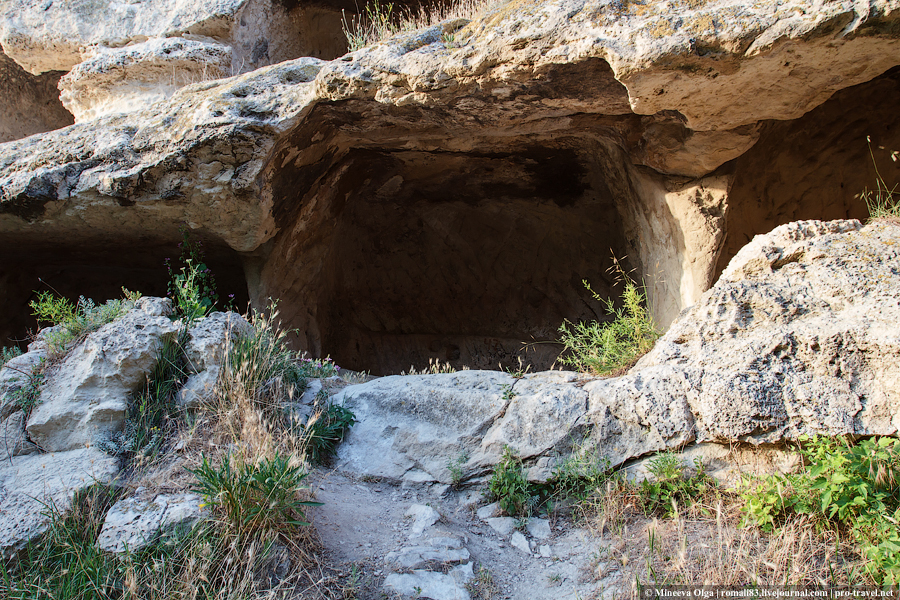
403, 257
98, 272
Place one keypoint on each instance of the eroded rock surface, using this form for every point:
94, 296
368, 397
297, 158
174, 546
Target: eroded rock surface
132, 523
86, 397
29, 484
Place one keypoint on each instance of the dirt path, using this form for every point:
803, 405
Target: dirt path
362, 522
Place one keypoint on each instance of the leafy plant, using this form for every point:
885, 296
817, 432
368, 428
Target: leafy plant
580, 474
378, 23
509, 487
883, 201
455, 466
325, 430
8, 353
254, 497
857, 486
73, 322
192, 285
608, 347
317, 368
671, 485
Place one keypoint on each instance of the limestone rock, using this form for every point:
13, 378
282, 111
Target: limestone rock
520, 543
15, 375
208, 339
86, 396
488, 511
132, 77
428, 584
423, 517
414, 423
31, 103
12, 437
502, 525
538, 528
798, 337
131, 523
416, 557
198, 389
28, 484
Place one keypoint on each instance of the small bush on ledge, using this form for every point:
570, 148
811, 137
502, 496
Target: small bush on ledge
612, 347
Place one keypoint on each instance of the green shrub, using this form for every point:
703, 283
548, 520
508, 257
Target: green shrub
74, 322
192, 285
8, 353
580, 474
672, 485
857, 486
509, 487
325, 430
609, 347
252, 498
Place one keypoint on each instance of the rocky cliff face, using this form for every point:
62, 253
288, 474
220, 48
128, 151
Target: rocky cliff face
442, 194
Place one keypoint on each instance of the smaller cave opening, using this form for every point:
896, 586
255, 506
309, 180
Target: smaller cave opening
815, 167
99, 272
403, 257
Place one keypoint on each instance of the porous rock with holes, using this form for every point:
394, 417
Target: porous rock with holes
83, 401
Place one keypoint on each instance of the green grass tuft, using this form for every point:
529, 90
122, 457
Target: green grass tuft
608, 348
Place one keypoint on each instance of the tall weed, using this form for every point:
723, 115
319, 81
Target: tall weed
607, 348
883, 202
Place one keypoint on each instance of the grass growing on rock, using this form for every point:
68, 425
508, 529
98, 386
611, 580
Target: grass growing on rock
883, 202
379, 21
611, 347
73, 322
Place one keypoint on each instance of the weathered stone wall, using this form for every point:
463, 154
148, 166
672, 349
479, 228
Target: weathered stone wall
30, 103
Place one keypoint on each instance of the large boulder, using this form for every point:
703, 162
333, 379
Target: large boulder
86, 396
799, 336
31, 486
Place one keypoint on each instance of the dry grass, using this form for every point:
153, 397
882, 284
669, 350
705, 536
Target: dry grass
379, 21
704, 544
244, 422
